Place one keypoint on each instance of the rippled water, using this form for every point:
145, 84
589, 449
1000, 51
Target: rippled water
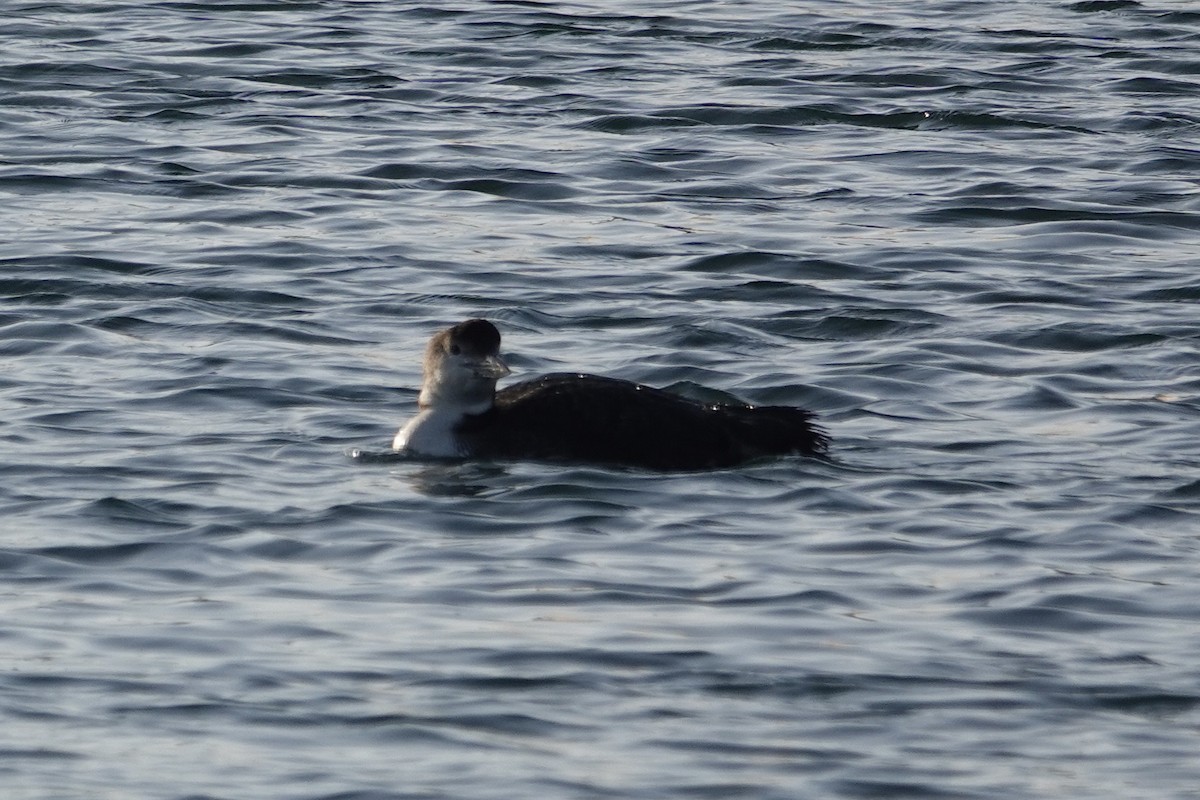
966, 234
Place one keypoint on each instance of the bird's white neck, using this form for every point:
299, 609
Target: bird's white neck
432, 431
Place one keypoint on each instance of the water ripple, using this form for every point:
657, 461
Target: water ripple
964, 236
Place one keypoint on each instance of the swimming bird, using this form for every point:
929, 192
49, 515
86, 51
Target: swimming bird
583, 418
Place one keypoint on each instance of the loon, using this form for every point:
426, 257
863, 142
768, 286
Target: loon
583, 418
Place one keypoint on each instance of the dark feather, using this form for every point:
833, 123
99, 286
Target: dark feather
588, 418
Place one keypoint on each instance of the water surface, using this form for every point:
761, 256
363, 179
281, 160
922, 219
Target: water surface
966, 234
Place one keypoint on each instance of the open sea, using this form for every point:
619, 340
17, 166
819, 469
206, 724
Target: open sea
966, 234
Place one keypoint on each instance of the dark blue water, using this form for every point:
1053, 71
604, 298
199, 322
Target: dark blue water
966, 234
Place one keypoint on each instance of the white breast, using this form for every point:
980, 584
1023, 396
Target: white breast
430, 433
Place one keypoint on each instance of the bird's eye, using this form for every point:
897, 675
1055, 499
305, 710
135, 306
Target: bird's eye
455, 349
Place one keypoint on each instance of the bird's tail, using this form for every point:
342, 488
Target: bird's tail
776, 430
